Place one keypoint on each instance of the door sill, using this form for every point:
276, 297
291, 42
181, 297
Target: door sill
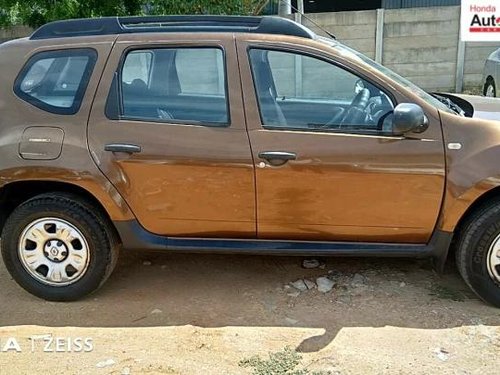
135, 237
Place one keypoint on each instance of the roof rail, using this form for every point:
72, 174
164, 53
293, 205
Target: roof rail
201, 23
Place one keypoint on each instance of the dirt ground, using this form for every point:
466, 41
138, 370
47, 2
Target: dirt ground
203, 314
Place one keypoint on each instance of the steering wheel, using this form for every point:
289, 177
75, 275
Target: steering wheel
356, 111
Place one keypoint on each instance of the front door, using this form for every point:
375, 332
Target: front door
169, 134
326, 169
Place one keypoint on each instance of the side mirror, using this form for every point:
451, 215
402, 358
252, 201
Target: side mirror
409, 117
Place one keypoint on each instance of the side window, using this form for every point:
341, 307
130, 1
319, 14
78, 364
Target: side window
137, 66
177, 85
55, 81
296, 91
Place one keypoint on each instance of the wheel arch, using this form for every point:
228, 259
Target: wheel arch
455, 213
487, 197
17, 192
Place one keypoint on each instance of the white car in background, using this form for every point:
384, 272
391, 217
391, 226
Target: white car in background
492, 75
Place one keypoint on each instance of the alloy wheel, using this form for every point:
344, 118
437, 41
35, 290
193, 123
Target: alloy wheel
494, 259
54, 251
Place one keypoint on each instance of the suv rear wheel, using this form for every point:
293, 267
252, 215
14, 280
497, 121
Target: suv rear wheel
58, 247
478, 252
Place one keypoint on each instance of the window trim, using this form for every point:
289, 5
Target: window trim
117, 114
92, 55
330, 61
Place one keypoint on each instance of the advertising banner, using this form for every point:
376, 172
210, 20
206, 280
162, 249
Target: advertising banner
480, 20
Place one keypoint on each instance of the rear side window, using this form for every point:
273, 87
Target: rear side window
173, 85
55, 81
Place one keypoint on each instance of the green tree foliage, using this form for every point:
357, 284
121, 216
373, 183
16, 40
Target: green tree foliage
37, 12
244, 7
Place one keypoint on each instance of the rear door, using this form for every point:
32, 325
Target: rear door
171, 136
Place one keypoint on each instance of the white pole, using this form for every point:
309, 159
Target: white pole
284, 8
379, 36
459, 73
300, 11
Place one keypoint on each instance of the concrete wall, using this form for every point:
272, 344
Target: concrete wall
421, 44
356, 29
14, 32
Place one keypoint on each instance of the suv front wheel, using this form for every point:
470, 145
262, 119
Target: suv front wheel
478, 252
58, 247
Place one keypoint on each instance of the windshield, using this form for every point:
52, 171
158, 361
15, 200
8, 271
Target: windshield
353, 54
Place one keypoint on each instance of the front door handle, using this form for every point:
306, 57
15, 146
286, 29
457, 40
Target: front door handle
277, 158
122, 147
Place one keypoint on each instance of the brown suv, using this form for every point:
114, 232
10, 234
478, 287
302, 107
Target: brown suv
232, 135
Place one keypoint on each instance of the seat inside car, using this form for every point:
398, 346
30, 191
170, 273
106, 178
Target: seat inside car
270, 109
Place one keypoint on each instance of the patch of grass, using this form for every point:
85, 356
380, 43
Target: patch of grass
443, 292
284, 362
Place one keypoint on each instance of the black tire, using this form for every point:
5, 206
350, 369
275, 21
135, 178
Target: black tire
476, 236
490, 82
103, 244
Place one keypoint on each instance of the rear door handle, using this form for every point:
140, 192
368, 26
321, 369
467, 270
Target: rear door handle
277, 158
122, 147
